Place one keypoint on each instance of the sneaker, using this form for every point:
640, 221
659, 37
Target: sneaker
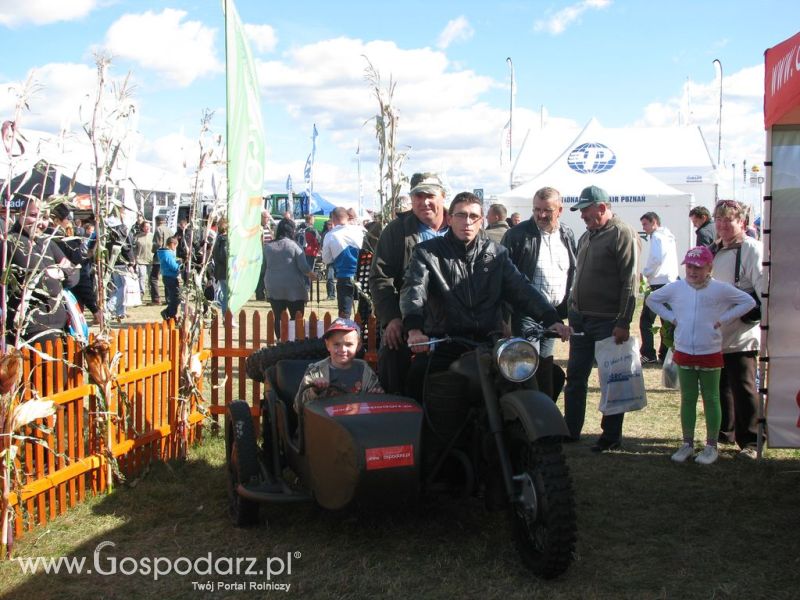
748, 452
707, 456
646, 360
684, 453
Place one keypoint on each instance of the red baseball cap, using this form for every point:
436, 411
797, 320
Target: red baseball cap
342, 324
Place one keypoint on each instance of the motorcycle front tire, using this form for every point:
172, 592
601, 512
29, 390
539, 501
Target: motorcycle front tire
543, 521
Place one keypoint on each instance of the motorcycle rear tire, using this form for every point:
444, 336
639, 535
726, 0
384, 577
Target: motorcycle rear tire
241, 458
545, 536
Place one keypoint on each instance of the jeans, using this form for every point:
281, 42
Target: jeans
579, 367
345, 293
223, 296
646, 322
173, 297
116, 299
330, 286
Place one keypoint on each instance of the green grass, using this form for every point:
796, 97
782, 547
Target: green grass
647, 529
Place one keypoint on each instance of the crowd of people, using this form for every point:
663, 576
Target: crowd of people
440, 270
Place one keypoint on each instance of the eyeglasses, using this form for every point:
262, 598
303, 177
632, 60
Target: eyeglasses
543, 211
464, 216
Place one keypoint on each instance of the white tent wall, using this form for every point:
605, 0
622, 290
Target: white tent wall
781, 340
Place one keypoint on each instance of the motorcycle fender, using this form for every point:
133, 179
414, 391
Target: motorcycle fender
537, 413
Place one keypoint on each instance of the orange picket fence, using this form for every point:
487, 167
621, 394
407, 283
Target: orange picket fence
65, 456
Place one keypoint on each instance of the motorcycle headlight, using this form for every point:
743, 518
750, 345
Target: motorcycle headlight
517, 359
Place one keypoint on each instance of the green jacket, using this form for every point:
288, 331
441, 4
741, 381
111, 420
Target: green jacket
605, 276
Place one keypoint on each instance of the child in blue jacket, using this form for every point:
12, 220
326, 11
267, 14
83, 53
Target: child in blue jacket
169, 275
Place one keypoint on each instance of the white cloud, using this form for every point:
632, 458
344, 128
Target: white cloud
743, 137
181, 51
442, 116
42, 12
60, 90
558, 22
263, 37
457, 30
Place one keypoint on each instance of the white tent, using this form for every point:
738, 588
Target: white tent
632, 191
678, 156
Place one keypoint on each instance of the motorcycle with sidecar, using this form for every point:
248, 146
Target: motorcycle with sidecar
483, 429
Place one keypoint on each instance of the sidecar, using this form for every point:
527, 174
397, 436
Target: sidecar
339, 451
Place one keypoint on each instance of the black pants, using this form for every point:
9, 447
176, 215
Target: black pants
393, 366
155, 271
261, 291
278, 308
738, 397
646, 322
426, 363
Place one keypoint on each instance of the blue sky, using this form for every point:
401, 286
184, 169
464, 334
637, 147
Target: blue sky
624, 62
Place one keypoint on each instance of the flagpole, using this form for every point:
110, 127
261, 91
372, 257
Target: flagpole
360, 189
719, 137
227, 108
510, 121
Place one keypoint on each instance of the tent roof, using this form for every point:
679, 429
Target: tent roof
674, 154
587, 161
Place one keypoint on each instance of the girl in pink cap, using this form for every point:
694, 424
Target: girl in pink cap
698, 306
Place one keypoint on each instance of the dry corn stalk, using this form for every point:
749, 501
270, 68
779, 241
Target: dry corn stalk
98, 362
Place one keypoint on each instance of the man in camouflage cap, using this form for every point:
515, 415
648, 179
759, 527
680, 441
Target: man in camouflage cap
424, 221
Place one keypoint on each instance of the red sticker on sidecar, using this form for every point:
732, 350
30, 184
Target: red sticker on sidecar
371, 408
389, 457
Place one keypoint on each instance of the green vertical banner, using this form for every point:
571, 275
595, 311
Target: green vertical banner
245, 146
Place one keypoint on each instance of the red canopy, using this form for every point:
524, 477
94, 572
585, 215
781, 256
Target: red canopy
782, 83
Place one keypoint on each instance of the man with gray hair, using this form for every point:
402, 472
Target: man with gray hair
601, 305
496, 222
543, 249
426, 220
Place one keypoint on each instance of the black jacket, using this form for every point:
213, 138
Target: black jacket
524, 241
705, 234
393, 251
452, 289
45, 315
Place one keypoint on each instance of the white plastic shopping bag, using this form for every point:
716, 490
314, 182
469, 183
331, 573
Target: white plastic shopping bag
669, 372
621, 380
133, 295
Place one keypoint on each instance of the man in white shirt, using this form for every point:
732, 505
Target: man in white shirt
543, 249
661, 269
340, 248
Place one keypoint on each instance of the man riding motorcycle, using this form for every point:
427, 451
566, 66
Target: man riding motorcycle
456, 285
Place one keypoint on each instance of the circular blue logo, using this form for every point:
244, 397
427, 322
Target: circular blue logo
591, 158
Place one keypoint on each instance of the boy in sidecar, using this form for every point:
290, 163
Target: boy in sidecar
341, 369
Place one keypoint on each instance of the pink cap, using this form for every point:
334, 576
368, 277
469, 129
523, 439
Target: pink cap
699, 256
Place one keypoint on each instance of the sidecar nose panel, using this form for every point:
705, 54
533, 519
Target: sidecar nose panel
363, 449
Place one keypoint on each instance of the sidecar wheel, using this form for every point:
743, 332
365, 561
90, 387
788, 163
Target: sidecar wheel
543, 520
241, 457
